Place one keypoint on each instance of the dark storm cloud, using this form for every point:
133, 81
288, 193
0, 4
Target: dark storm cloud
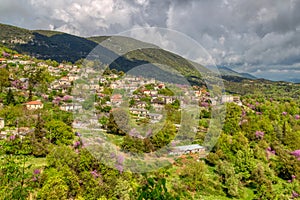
259, 36
253, 36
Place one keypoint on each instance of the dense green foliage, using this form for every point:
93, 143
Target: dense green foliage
242, 165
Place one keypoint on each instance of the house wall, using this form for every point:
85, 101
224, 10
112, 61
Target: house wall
2, 124
34, 107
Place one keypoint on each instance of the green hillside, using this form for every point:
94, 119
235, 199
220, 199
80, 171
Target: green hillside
46, 44
65, 47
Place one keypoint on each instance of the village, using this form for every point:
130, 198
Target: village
145, 98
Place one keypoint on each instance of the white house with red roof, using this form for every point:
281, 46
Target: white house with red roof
17, 56
34, 105
3, 60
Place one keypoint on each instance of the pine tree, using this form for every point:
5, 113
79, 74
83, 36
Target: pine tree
10, 98
39, 131
38, 141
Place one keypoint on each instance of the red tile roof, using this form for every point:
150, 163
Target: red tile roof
34, 103
64, 78
116, 96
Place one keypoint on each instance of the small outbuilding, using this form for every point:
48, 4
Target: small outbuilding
187, 149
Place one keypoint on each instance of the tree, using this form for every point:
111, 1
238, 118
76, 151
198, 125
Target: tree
286, 164
107, 71
122, 189
155, 188
89, 102
4, 75
121, 73
132, 145
54, 188
39, 131
166, 92
59, 132
194, 175
164, 136
118, 122
37, 76
114, 71
176, 104
39, 143
233, 113
10, 98
11, 114
103, 121
228, 177
15, 178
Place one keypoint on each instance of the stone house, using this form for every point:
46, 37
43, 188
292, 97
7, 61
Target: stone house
141, 104
64, 81
94, 86
71, 107
167, 99
154, 92
231, 99
73, 77
146, 92
154, 117
139, 112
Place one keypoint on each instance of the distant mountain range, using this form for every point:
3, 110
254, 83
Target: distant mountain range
66, 47
294, 80
229, 72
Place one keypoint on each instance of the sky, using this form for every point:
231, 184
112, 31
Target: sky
261, 37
